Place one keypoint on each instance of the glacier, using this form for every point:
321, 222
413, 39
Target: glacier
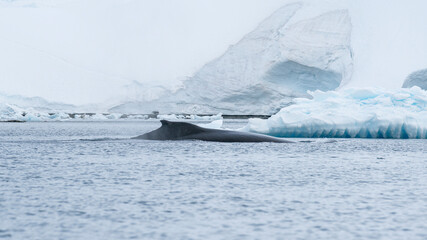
265, 70
351, 113
304, 46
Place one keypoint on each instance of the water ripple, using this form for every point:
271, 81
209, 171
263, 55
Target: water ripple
55, 186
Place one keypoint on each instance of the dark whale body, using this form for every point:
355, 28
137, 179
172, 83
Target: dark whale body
187, 131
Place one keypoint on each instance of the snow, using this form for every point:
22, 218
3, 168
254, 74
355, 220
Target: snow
351, 113
267, 68
418, 78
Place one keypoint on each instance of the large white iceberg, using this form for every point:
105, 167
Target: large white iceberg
270, 66
306, 45
351, 113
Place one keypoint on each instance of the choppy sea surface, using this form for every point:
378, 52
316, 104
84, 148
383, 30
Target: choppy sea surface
88, 180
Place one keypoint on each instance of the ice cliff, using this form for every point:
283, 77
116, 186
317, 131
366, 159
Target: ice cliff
270, 66
351, 113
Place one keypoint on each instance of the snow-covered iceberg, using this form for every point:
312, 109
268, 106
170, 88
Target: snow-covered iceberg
10, 112
270, 66
351, 113
305, 45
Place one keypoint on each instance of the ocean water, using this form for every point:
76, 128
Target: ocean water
88, 180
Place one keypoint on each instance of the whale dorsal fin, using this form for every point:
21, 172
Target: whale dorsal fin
165, 122
180, 129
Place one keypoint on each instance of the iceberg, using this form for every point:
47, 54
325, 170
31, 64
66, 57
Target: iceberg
418, 78
304, 46
351, 113
20, 108
265, 70
10, 112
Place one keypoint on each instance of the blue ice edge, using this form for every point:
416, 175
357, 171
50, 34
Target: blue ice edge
390, 132
351, 113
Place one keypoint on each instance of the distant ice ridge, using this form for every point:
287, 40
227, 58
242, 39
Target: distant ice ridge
190, 117
351, 113
11, 112
35, 103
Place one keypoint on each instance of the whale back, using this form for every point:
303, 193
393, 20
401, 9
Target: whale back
187, 131
173, 131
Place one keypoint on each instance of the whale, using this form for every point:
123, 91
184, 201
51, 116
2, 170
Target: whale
188, 131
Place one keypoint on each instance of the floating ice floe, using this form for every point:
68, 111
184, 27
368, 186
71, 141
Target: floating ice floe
351, 113
9, 112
